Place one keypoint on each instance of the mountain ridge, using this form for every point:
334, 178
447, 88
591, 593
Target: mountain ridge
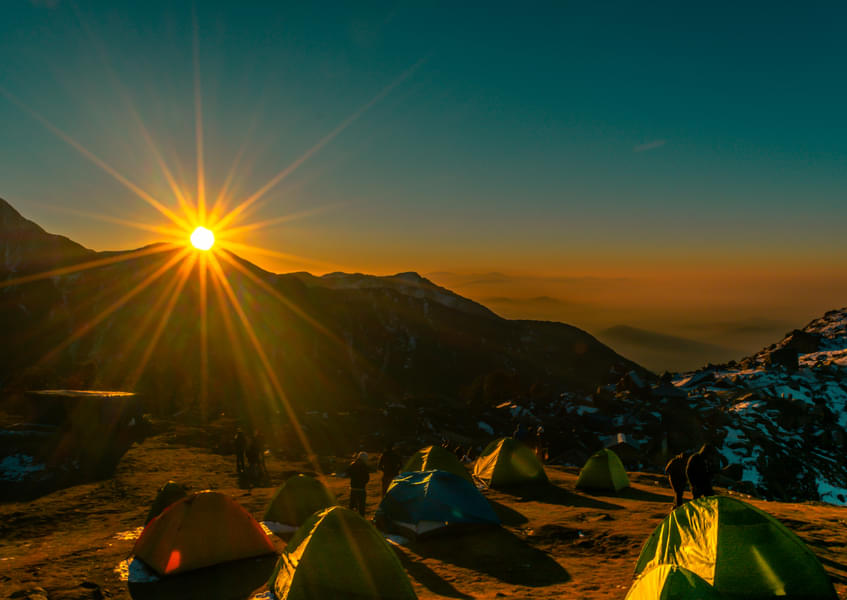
325, 343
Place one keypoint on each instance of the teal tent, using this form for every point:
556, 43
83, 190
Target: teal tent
423, 502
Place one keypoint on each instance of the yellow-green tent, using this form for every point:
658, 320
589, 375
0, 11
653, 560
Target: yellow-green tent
436, 458
740, 550
603, 471
669, 582
507, 462
297, 499
337, 554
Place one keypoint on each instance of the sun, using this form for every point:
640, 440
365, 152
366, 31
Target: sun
202, 238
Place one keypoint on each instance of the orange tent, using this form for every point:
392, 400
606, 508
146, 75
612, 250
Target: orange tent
198, 531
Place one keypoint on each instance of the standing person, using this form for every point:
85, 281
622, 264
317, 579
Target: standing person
539, 442
675, 470
699, 471
521, 434
240, 446
259, 440
390, 465
252, 461
359, 475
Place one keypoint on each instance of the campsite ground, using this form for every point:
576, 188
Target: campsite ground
554, 544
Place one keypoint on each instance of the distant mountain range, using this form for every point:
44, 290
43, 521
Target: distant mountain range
331, 342
660, 351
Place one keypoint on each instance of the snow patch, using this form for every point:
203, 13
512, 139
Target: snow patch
271, 527
133, 570
831, 493
19, 466
130, 535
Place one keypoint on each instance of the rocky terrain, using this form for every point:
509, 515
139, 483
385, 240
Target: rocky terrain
777, 417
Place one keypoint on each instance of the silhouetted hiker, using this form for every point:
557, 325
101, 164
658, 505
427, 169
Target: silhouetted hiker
259, 440
390, 465
675, 470
699, 471
253, 468
539, 442
359, 474
521, 434
240, 447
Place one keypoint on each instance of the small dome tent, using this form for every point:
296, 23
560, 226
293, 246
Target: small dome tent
201, 530
297, 499
507, 462
603, 471
436, 458
425, 502
337, 554
740, 550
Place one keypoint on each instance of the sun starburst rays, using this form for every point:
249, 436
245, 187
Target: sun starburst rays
230, 218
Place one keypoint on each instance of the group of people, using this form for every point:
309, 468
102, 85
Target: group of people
465, 455
696, 470
359, 472
532, 437
252, 450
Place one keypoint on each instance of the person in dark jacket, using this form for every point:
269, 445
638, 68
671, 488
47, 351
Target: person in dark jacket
675, 470
240, 446
699, 471
521, 433
390, 465
359, 475
259, 442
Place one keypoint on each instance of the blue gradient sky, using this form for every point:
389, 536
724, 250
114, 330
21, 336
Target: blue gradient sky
542, 139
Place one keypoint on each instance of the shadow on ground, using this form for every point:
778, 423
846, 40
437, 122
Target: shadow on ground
832, 568
553, 494
507, 516
631, 493
497, 553
231, 581
427, 577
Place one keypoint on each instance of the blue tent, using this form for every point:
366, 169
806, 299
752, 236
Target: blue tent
423, 502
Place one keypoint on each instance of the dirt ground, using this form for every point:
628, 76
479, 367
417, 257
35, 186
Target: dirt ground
555, 543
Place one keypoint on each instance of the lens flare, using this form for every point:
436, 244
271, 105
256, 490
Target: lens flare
202, 238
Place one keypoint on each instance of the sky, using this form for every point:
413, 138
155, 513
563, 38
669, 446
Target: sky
675, 168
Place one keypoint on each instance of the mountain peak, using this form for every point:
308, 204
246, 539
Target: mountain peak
26, 247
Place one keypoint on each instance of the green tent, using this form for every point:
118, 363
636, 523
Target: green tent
507, 462
168, 494
603, 471
297, 499
669, 582
436, 458
740, 550
337, 554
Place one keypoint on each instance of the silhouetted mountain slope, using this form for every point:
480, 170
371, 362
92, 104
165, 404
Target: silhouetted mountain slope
329, 343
